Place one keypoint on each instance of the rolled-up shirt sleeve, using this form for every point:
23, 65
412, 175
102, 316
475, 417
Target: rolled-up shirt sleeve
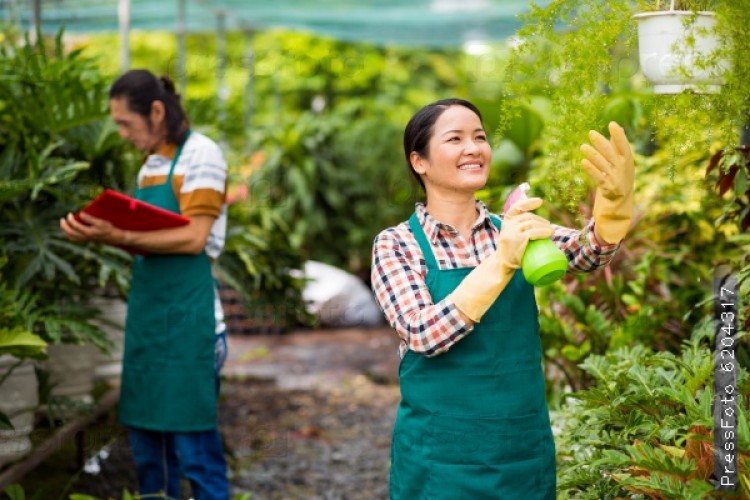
584, 252
399, 287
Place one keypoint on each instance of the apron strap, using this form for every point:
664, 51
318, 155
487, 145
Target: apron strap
424, 245
176, 157
496, 220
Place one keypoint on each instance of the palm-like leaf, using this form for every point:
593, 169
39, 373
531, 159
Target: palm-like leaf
59, 149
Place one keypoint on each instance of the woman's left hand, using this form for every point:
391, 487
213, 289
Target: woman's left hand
610, 164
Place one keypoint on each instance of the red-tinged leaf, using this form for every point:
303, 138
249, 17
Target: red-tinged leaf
726, 180
635, 471
714, 162
700, 449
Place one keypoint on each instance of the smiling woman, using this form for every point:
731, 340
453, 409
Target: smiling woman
473, 420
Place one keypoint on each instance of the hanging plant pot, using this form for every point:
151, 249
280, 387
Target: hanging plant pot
677, 51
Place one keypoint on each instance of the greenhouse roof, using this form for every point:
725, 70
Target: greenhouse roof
435, 23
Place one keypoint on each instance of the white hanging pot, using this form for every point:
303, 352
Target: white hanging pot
668, 61
18, 400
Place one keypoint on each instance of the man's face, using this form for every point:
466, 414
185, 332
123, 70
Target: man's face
136, 129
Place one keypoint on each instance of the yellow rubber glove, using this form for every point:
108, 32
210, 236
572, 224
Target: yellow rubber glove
481, 287
610, 163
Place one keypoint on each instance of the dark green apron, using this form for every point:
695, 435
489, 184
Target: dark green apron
473, 422
168, 379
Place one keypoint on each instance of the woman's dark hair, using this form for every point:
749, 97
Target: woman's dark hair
419, 130
141, 88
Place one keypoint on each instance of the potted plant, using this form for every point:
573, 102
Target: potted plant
59, 149
18, 382
581, 58
679, 47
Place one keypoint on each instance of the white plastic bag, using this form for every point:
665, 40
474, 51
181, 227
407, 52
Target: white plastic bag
338, 298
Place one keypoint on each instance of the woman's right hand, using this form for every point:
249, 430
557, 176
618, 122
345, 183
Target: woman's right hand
481, 287
519, 227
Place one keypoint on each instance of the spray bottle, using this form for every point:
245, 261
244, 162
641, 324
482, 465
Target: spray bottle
543, 263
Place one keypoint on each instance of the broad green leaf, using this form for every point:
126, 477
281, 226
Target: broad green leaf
15, 492
20, 342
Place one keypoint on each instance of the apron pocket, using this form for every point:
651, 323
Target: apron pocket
491, 458
529, 479
488, 441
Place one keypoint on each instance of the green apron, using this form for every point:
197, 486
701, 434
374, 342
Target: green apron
473, 422
168, 378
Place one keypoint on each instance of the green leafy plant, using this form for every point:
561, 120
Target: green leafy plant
258, 262
16, 337
656, 288
589, 53
729, 170
58, 149
336, 179
319, 187
694, 5
645, 426
653, 291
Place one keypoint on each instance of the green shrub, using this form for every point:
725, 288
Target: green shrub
645, 426
336, 179
58, 149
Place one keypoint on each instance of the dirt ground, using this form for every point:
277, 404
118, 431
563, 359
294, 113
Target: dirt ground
309, 416
306, 415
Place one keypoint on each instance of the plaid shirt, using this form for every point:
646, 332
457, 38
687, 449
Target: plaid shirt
399, 271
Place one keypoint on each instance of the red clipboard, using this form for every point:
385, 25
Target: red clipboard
130, 214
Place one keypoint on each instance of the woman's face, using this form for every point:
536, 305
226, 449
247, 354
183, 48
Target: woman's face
459, 153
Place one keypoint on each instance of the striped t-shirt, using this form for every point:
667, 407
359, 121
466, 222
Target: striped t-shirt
199, 181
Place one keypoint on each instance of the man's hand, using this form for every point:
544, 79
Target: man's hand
91, 229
